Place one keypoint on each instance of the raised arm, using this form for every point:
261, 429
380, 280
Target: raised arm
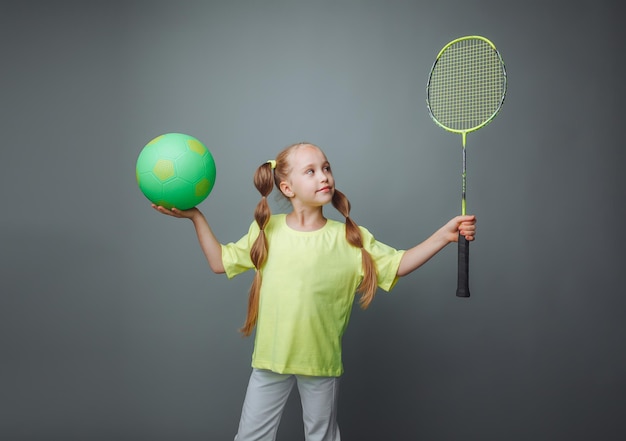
422, 253
210, 246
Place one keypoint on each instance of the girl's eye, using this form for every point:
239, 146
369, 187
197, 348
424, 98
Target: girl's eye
309, 171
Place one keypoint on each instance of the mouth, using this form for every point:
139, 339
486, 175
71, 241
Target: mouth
326, 189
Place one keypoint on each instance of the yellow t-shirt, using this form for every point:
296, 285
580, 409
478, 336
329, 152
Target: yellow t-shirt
308, 288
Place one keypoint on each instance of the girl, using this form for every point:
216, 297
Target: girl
307, 270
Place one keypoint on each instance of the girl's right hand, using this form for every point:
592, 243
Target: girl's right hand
175, 212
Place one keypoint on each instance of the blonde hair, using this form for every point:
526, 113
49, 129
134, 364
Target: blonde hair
271, 174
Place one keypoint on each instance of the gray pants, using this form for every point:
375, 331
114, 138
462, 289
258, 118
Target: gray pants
266, 397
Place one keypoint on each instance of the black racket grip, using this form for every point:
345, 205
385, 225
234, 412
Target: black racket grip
462, 287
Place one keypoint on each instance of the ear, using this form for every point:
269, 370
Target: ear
286, 189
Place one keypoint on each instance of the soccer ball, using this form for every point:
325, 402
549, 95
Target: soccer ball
175, 170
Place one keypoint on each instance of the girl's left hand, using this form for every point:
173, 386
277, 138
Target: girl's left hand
463, 225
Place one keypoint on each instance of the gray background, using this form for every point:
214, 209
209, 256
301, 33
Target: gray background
112, 327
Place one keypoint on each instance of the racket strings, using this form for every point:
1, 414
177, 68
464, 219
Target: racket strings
467, 84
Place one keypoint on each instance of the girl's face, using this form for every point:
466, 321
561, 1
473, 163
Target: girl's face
310, 181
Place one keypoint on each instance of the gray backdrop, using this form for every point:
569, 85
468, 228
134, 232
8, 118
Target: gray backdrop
112, 327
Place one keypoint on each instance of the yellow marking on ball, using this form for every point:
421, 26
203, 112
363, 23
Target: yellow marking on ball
196, 146
155, 140
202, 187
163, 169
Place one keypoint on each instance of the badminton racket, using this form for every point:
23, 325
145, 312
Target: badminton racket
465, 91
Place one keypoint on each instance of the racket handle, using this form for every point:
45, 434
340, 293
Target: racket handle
462, 288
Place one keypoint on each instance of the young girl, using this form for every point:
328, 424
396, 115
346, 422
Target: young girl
307, 270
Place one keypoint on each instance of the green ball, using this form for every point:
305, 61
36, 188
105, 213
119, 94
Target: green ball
175, 170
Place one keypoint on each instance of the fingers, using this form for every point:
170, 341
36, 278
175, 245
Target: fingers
467, 227
175, 212
160, 209
468, 233
466, 218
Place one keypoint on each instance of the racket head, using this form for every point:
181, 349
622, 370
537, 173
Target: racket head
467, 85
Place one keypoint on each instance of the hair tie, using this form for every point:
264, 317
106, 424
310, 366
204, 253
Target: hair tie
272, 163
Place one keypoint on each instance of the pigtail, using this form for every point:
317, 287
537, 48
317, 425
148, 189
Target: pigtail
263, 181
368, 285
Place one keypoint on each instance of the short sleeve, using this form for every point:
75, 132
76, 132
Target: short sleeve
387, 260
236, 255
